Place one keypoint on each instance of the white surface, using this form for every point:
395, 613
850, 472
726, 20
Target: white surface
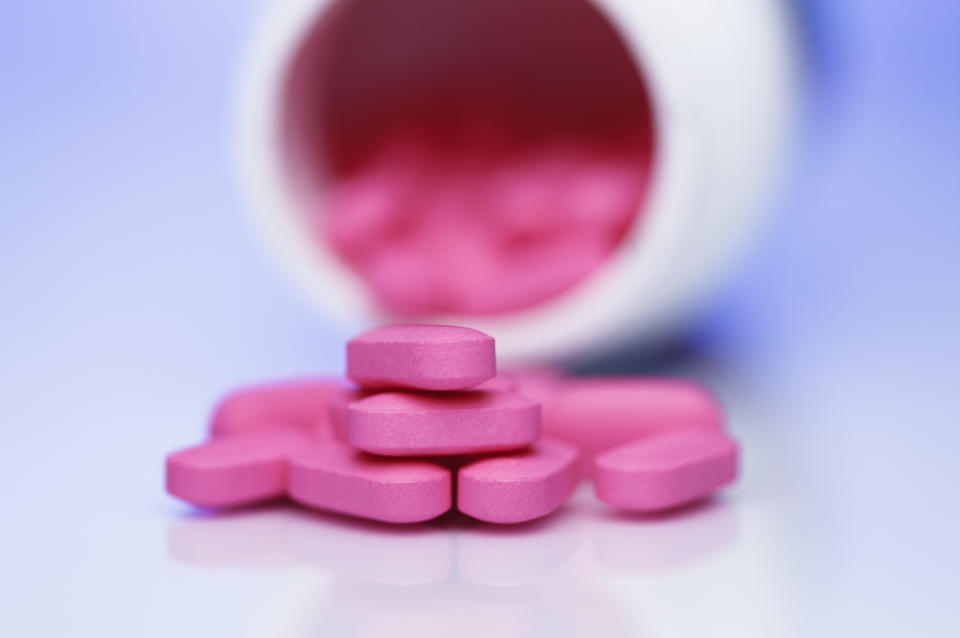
818, 538
114, 555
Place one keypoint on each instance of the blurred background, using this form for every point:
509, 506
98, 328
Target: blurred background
134, 294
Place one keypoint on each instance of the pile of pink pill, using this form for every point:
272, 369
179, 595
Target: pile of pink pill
429, 426
485, 223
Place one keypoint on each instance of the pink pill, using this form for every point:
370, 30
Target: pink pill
339, 402
234, 471
403, 280
665, 470
333, 476
464, 258
425, 357
301, 402
467, 422
362, 209
526, 193
603, 195
598, 413
518, 487
539, 271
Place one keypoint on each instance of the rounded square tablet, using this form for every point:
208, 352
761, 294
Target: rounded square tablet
334, 476
422, 357
665, 470
598, 413
425, 424
234, 471
337, 406
518, 487
340, 401
297, 402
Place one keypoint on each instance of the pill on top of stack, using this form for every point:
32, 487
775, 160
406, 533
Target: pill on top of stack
426, 425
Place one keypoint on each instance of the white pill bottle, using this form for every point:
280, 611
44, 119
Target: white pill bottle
721, 79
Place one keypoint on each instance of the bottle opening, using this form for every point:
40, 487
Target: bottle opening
470, 157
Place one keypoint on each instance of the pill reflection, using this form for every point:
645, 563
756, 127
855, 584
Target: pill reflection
515, 555
455, 575
437, 610
287, 536
625, 541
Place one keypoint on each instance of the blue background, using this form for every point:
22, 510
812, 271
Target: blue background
133, 293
